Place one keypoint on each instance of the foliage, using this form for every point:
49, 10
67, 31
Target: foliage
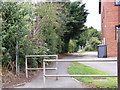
15, 30
91, 45
81, 69
39, 28
89, 38
0, 34
50, 29
73, 47
75, 17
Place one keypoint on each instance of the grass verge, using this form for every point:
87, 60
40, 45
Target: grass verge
101, 82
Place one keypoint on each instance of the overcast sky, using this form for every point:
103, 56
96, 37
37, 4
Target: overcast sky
94, 18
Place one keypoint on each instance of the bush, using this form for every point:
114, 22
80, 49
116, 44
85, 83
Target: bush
86, 37
72, 47
16, 28
91, 45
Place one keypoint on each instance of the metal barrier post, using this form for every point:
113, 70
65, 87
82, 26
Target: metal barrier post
43, 73
56, 67
26, 67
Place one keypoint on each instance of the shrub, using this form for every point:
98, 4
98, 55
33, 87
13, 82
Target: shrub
72, 47
91, 45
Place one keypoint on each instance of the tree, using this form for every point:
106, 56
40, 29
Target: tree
75, 17
89, 38
0, 33
91, 45
73, 47
41, 28
16, 24
49, 27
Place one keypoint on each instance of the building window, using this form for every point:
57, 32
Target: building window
117, 2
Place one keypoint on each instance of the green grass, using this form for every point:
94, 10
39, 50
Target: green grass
81, 69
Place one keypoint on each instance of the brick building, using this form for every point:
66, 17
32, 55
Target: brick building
110, 12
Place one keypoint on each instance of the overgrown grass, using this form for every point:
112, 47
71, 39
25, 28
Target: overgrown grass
102, 82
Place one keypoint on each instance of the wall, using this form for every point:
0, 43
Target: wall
109, 16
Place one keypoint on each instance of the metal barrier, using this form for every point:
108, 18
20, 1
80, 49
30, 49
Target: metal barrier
74, 60
30, 56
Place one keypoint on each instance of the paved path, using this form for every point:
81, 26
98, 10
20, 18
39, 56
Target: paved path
51, 82
67, 82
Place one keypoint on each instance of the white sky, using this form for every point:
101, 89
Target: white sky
94, 18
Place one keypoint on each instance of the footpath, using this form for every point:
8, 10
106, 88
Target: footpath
51, 82
68, 82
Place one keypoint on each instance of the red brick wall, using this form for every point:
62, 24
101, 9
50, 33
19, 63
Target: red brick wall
119, 14
109, 16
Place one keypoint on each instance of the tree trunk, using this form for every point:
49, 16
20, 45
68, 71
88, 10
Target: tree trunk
66, 44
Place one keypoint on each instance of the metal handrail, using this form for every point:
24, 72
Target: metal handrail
74, 60
29, 56
80, 75
41, 56
78, 60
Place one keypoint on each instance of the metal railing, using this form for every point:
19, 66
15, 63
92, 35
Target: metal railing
74, 60
31, 56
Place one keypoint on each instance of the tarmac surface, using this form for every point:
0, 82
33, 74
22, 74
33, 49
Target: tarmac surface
110, 67
68, 82
51, 82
